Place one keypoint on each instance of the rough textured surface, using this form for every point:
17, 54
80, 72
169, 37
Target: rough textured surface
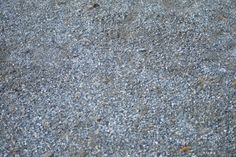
118, 78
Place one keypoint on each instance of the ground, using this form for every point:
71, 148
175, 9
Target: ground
118, 78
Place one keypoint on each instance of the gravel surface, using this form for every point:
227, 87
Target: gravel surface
118, 78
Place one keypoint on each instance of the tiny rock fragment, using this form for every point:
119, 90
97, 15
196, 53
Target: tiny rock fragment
85, 42
234, 83
93, 6
142, 50
222, 17
99, 119
48, 154
82, 153
185, 148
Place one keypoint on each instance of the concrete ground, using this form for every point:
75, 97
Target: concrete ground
118, 78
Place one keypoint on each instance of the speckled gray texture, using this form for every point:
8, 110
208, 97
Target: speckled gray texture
118, 78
